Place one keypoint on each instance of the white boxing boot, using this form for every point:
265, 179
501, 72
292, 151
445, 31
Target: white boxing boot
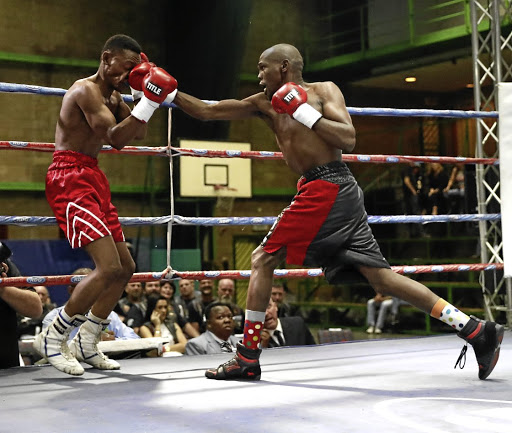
85, 344
52, 344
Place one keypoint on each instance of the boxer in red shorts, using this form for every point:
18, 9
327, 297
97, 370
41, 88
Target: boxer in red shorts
326, 223
93, 113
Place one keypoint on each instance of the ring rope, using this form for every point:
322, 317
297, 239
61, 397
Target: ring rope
242, 274
252, 154
356, 111
30, 221
294, 273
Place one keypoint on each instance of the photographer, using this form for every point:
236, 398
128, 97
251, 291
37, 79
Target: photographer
24, 301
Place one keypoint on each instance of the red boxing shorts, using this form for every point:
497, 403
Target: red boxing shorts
79, 194
326, 225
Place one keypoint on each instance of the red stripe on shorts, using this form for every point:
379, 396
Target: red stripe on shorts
299, 223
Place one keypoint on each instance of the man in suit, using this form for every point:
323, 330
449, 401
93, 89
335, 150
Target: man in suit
218, 337
284, 331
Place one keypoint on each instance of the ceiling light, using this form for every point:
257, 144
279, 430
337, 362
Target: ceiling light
410, 79
469, 86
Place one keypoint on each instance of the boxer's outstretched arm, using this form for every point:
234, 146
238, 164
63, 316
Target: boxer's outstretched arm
228, 109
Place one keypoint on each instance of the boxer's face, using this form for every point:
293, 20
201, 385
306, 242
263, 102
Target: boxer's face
118, 67
269, 74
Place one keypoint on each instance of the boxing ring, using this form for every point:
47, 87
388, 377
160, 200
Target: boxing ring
176, 220
407, 383
389, 386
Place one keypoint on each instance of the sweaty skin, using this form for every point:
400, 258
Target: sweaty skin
302, 148
93, 112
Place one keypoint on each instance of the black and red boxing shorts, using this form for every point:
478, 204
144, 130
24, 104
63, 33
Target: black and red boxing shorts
79, 194
326, 224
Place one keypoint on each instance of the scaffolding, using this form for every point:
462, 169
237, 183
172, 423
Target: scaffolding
492, 49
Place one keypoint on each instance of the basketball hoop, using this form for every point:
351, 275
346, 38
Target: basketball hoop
225, 199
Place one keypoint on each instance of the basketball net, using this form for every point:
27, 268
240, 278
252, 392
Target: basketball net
225, 200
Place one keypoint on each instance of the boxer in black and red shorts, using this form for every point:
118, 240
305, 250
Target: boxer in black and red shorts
326, 223
79, 194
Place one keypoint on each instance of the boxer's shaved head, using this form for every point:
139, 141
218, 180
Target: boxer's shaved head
281, 52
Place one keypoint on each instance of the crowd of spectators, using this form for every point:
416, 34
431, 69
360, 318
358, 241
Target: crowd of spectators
191, 321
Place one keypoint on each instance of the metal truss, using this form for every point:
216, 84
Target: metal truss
492, 54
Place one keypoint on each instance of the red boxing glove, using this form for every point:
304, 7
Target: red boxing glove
156, 85
292, 99
136, 76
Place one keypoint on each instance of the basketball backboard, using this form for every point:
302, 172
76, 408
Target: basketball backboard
211, 177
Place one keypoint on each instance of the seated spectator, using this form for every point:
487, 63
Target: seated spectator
218, 337
13, 300
284, 331
167, 291
187, 292
116, 329
284, 309
159, 323
386, 305
226, 293
152, 288
197, 305
133, 305
44, 295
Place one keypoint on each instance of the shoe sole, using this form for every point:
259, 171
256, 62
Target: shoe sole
500, 331
221, 375
39, 345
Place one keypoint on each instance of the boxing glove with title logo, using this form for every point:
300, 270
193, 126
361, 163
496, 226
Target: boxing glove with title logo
136, 76
292, 99
156, 86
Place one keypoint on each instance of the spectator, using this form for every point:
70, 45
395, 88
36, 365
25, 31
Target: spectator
159, 323
197, 306
285, 331
134, 306
226, 293
152, 288
454, 190
218, 337
437, 182
385, 304
14, 300
167, 291
415, 197
284, 309
44, 295
187, 292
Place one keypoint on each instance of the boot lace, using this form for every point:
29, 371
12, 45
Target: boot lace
461, 360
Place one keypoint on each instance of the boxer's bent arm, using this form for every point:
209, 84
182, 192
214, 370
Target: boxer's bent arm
102, 121
335, 127
228, 109
123, 112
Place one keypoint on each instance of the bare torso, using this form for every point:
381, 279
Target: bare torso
73, 132
302, 148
